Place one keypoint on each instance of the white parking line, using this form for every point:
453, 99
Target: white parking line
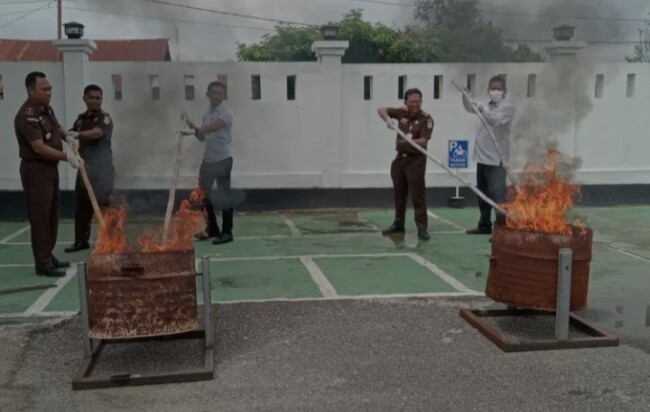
319, 277
359, 297
14, 235
626, 253
443, 220
292, 226
442, 274
47, 296
325, 256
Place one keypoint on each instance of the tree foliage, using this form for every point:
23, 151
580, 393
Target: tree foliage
642, 50
448, 31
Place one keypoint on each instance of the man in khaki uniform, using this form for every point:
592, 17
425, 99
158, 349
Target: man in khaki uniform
94, 129
408, 169
40, 143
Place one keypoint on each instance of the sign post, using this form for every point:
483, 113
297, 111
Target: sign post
458, 158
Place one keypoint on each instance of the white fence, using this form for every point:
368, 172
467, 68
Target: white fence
328, 133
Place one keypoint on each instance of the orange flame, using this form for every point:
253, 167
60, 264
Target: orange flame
110, 236
543, 199
185, 222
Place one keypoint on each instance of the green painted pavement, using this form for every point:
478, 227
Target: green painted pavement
614, 276
380, 275
383, 219
245, 280
16, 277
8, 228
345, 222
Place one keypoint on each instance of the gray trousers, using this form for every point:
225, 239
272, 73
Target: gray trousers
490, 180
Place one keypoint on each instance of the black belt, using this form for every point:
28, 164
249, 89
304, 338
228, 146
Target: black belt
406, 154
43, 161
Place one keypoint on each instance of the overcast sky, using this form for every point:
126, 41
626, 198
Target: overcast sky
208, 36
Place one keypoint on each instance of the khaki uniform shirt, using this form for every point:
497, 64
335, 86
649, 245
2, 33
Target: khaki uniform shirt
95, 149
33, 122
419, 125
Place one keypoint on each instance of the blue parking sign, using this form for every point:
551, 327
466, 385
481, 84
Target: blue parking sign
458, 154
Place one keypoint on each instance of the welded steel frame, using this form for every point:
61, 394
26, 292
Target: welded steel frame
93, 347
477, 318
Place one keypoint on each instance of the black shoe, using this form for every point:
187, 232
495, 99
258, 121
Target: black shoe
478, 231
207, 233
393, 230
423, 234
51, 273
59, 265
225, 237
77, 246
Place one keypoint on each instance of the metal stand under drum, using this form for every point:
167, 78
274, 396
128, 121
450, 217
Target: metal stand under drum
597, 337
93, 347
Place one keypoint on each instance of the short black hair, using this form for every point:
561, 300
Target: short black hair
217, 84
409, 92
93, 88
30, 80
499, 79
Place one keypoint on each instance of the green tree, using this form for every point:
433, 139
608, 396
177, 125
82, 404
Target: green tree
451, 31
454, 32
642, 50
369, 43
449, 13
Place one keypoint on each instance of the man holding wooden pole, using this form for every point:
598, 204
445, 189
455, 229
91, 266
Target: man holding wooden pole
216, 132
491, 156
93, 129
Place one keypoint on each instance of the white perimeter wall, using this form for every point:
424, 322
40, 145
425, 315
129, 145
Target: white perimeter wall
330, 136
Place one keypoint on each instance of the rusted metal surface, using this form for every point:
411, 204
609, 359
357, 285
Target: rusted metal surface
524, 267
141, 294
596, 338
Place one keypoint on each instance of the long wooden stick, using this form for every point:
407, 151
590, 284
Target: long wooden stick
450, 171
490, 132
89, 187
172, 189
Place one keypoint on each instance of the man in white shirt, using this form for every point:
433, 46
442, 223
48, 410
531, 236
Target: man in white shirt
490, 173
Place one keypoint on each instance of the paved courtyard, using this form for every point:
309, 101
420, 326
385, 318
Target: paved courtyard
316, 311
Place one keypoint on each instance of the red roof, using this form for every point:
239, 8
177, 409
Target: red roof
107, 50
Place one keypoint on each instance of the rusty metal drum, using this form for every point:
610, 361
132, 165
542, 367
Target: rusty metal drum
524, 267
141, 294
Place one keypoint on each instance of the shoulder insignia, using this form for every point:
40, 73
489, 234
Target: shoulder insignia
404, 120
29, 111
107, 119
32, 119
430, 123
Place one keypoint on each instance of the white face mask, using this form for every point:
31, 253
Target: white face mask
496, 95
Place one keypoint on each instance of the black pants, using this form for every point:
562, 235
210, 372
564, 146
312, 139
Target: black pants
490, 180
219, 171
101, 175
407, 173
41, 186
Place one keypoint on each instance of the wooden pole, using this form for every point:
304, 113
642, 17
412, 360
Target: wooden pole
89, 188
451, 172
172, 189
490, 132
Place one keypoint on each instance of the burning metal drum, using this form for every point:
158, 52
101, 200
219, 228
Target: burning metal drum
524, 268
141, 294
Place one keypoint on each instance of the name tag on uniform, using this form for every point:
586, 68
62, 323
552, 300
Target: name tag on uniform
48, 136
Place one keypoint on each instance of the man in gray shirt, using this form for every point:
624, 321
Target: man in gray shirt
216, 132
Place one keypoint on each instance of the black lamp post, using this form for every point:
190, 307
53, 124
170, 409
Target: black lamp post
330, 32
73, 30
563, 33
